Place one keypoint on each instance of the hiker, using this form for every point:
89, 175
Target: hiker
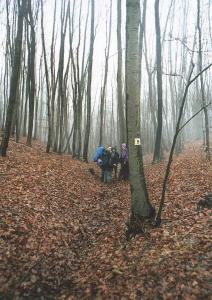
114, 160
124, 171
98, 153
106, 165
98, 159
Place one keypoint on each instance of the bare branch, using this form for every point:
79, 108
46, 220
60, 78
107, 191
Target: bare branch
184, 44
168, 168
194, 116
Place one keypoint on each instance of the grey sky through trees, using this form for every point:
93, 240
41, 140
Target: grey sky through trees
102, 13
179, 33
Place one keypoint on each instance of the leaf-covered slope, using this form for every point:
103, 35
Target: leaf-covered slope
62, 231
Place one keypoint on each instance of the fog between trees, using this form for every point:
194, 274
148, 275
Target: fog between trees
71, 90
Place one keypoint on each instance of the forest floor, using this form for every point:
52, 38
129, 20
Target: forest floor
62, 232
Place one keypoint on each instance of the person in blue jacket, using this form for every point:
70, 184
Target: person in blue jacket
104, 161
98, 159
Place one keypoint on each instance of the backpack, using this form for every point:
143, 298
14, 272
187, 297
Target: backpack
98, 153
106, 159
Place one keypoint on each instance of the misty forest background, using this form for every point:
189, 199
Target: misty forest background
71, 92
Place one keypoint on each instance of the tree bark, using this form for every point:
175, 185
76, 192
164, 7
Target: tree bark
89, 81
140, 205
14, 82
120, 95
61, 92
52, 72
31, 71
206, 131
47, 84
103, 90
158, 151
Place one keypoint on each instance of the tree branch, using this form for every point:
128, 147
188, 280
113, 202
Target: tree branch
190, 81
194, 116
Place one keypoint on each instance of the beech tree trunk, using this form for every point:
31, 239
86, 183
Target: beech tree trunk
140, 205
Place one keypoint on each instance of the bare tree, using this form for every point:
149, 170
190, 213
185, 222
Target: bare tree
61, 91
47, 84
89, 81
53, 80
158, 150
141, 36
31, 73
177, 131
140, 205
103, 89
14, 82
206, 130
120, 95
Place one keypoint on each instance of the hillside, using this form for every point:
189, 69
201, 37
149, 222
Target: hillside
62, 231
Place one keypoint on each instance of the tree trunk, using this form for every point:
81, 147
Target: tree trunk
79, 89
103, 90
26, 88
89, 81
47, 84
141, 38
31, 70
140, 205
121, 117
14, 83
158, 151
53, 81
206, 130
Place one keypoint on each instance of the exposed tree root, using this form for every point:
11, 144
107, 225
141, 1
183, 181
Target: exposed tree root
136, 225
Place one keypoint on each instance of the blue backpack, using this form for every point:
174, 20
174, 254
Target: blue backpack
98, 153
